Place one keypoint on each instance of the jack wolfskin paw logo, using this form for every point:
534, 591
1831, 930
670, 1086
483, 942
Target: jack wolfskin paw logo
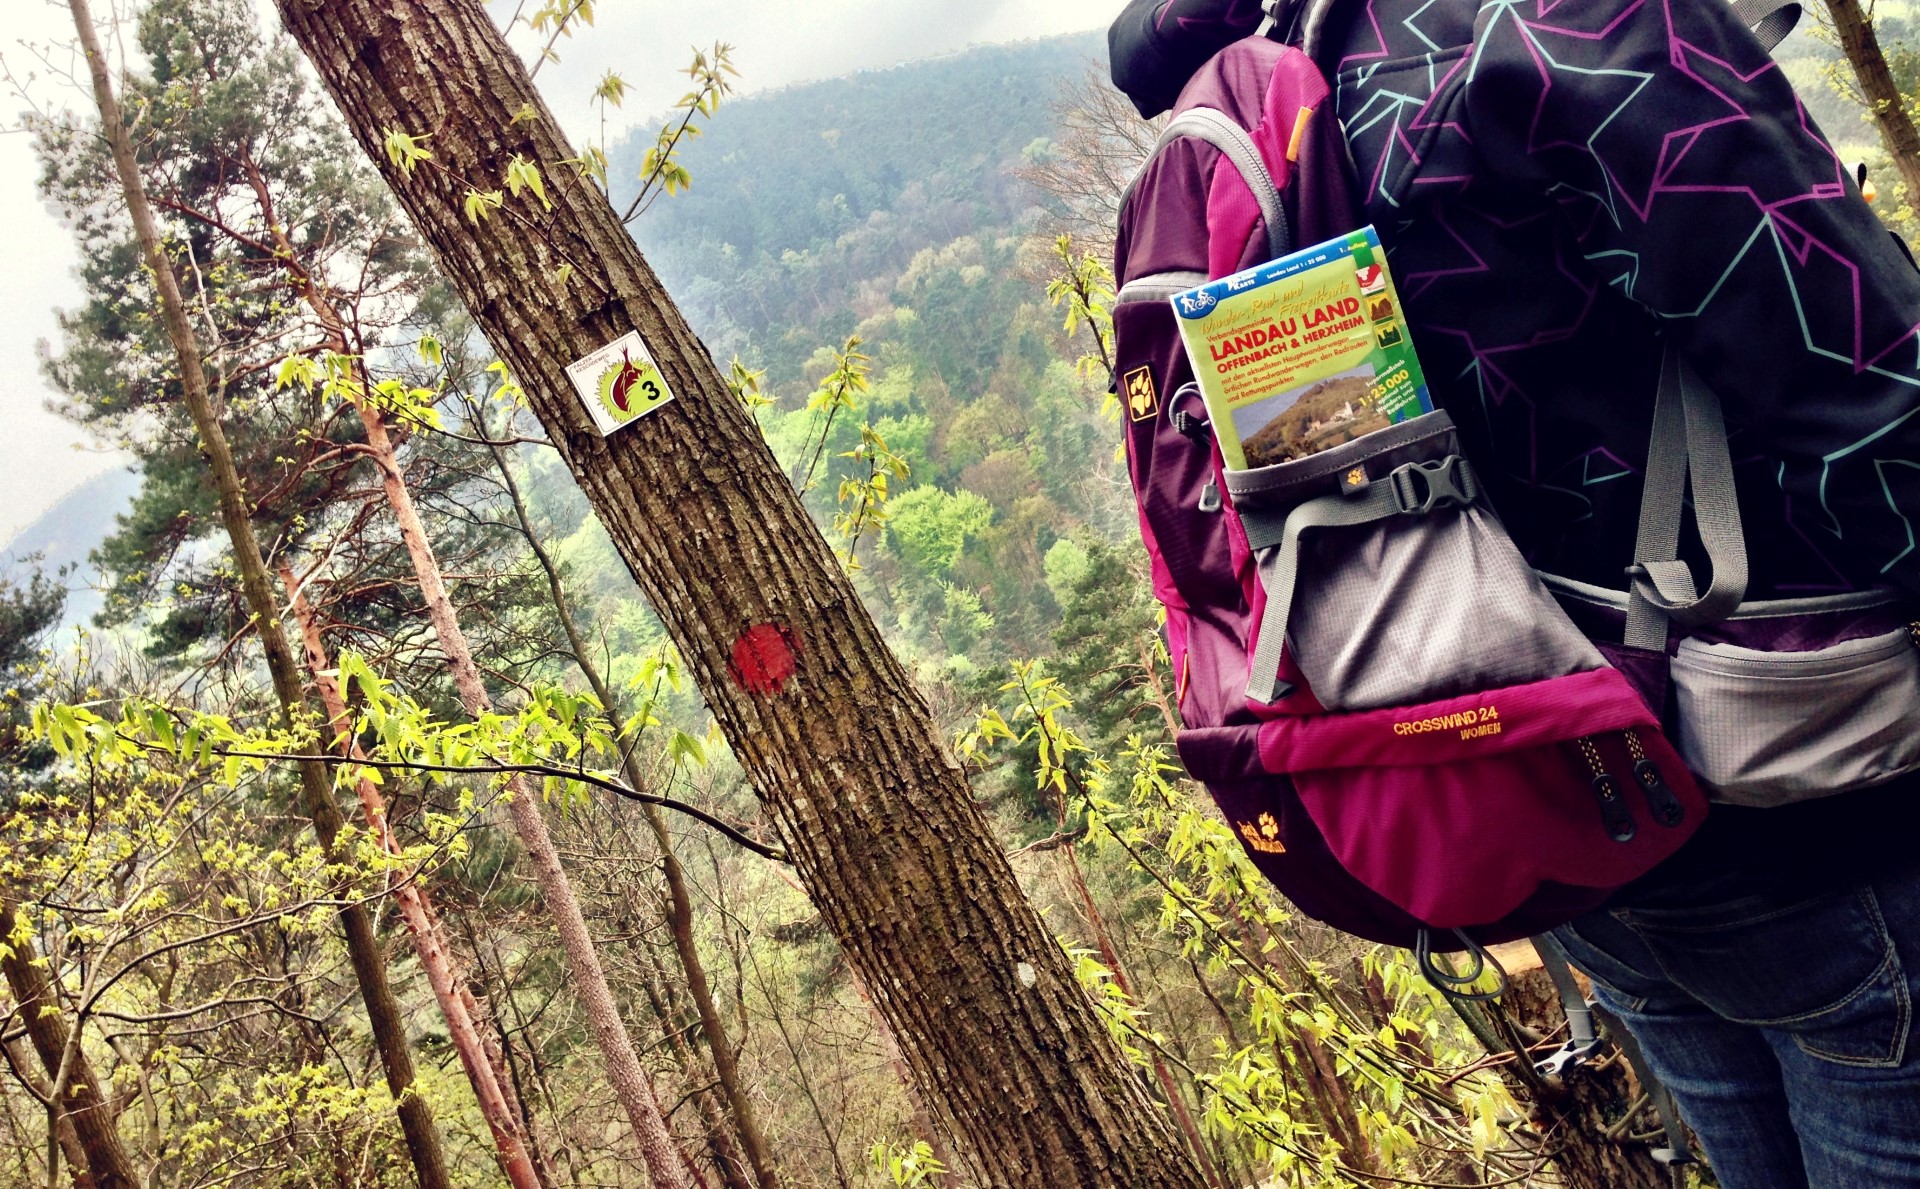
1263, 835
1143, 399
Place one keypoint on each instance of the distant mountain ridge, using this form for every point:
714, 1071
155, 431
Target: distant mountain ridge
802, 195
65, 534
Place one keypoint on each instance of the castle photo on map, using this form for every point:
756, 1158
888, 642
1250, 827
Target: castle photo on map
1303, 421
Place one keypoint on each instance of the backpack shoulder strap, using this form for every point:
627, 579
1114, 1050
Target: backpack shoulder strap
1215, 128
1770, 20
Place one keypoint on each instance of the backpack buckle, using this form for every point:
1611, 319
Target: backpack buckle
1423, 487
1557, 1063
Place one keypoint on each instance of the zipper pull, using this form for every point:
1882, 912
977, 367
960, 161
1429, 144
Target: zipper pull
1210, 497
1606, 792
1665, 803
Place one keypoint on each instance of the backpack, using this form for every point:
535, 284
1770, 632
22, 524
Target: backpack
1417, 739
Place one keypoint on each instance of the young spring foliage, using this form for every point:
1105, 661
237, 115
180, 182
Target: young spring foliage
1329, 1085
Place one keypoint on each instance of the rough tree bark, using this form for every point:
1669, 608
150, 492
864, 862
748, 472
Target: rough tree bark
77, 1100
1885, 103
363, 949
839, 744
679, 904
481, 1059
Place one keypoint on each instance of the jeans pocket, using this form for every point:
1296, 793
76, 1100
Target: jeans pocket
1823, 971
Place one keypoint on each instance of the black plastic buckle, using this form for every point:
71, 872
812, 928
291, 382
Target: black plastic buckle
1423, 487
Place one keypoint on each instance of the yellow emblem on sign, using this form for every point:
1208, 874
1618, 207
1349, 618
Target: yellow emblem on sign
1143, 399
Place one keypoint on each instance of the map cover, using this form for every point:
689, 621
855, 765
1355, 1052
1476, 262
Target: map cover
1302, 353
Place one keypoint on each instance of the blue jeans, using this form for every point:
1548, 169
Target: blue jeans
1779, 1018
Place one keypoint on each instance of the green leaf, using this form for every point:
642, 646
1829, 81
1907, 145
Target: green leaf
482, 203
406, 151
685, 748
523, 174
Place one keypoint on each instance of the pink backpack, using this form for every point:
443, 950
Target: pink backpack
1410, 736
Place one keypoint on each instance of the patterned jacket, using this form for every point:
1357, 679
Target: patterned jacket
1561, 185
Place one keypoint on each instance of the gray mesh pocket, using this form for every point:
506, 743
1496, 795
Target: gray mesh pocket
1392, 605
1417, 609
1769, 728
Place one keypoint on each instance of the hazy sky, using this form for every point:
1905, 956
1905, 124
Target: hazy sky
648, 41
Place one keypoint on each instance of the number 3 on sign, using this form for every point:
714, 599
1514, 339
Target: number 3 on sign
620, 383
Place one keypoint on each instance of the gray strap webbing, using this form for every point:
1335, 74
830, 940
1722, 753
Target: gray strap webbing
1158, 286
1271, 8
1689, 450
1679, 1150
1770, 20
1573, 1001
1580, 1019
1204, 123
1280, 574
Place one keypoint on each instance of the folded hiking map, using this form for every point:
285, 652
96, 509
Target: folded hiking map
1302, 353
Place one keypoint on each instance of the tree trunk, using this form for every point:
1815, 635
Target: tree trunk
623, 1064
363, 951
720, 1141
480, 1059
78, 1100
665, 1163
1076, 881
63, 1134
679, 902
840, 746
1884, 101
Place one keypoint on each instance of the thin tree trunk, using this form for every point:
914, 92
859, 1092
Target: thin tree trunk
77, 1099
1884, 101
679, 902
665, 1163
1110, 957
363, 951
64, 1136
840, 746
629, 1080
726, 1156
478, 1056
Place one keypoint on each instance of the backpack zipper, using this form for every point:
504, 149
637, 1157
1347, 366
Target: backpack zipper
1200, 433
1661, 799
1606, 792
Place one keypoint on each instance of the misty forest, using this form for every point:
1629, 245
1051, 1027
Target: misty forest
402, 784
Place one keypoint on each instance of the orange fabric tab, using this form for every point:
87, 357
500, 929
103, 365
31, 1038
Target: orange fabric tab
1299, 131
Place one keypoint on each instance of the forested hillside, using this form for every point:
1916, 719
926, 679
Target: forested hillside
476, 771
808, 202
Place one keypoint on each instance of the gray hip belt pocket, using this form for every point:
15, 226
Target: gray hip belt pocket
1768, 728
1421, 598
